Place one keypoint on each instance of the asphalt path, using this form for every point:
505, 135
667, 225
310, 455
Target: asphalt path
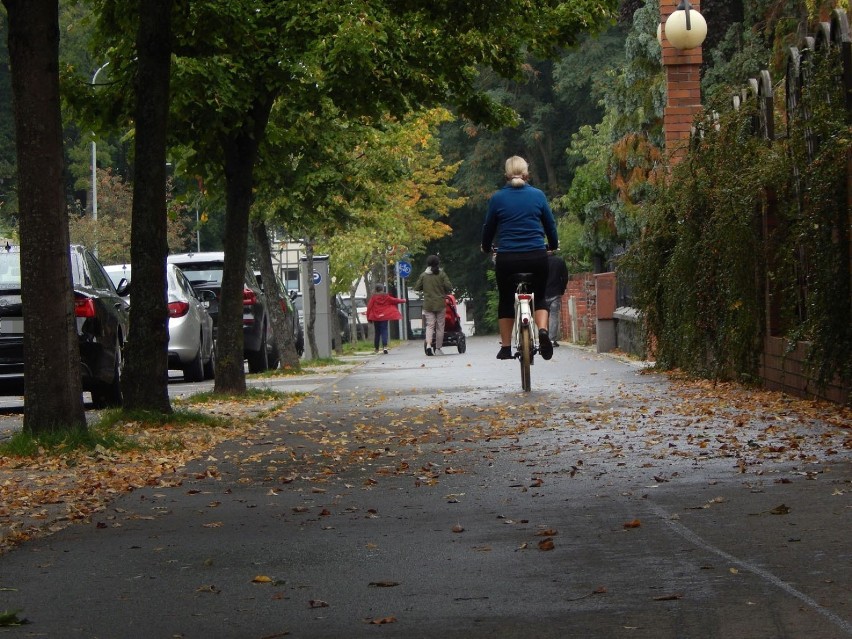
429, 497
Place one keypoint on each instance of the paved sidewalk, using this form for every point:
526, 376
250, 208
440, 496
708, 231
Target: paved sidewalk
429, 497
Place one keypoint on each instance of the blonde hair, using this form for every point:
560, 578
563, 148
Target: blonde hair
517, 171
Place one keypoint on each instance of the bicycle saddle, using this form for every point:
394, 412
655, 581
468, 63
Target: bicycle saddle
522, 278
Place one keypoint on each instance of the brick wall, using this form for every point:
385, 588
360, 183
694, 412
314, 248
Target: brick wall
785, 371
581, 287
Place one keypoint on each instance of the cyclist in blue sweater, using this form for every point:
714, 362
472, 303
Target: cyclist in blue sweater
521, 219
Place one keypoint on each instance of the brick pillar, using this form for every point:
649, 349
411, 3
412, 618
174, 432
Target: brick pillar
683, 83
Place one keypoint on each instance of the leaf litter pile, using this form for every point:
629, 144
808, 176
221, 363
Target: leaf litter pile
694, 420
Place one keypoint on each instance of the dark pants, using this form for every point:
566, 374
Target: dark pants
381, 327
507, 265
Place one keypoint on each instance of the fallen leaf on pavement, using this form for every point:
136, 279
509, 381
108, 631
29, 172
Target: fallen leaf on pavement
632, 524
208, 588
318, 603
546, 544
381, 621
384, 584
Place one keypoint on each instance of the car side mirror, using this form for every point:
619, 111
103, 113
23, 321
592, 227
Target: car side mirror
123, 288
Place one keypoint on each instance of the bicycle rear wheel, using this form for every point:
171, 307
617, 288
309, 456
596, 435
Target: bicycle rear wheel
525, 356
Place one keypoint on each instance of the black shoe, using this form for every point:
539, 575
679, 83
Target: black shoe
505, 352
429, 351
545, 346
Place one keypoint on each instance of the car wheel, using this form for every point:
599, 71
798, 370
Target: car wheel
258, 361
210, 365
108, 394
274, 357
194, 371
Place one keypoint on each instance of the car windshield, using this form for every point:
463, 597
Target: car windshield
10, 270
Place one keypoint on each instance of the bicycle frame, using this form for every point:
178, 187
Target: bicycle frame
524, 335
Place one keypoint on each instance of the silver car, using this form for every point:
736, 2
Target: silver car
191, 345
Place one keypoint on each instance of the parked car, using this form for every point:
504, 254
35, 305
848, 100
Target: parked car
289, 311
360, 317
101, 319
204, 271
342, 317
191, 345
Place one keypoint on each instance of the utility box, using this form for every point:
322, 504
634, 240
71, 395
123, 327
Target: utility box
319, 277
605, 304
605, 295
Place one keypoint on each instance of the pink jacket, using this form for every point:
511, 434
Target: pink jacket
382, 307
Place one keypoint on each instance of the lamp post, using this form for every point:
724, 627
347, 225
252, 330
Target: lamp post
681, 36
94, 158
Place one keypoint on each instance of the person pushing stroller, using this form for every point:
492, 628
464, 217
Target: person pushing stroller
434, 284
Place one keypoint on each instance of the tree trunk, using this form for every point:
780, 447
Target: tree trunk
281, 328
145, 383
309, 301
53, 391
240, 151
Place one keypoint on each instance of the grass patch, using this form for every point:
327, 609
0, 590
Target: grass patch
251, 394
113, 419
322, 362
113, 431
62, 442
353, 348
279, 372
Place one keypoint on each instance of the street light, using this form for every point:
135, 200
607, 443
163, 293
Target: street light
94, 158
686, 27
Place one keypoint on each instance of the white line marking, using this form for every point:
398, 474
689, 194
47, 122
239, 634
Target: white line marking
687, 534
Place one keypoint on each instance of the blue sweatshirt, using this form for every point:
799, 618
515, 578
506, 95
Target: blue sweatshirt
522, 219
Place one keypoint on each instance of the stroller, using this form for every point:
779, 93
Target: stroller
453, 334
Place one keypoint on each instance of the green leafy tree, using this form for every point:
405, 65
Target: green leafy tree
409, 54
619, 158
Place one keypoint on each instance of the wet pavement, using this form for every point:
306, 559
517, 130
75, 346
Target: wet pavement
429, 497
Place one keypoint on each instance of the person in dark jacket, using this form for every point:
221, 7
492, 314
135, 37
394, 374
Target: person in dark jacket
381, 309
435, 286
519, 215
557, 280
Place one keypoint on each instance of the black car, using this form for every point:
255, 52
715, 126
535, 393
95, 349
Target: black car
290, 313
204, 271
102, 318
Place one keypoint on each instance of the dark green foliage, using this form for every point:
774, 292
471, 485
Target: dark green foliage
703, 265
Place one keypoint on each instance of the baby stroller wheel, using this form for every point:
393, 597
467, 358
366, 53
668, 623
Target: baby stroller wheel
461, 345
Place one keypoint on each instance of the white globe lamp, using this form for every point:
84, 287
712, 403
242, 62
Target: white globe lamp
686, 28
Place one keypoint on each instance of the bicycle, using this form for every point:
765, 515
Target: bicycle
524, 332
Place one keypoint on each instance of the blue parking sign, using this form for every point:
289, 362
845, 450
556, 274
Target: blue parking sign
403, 268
